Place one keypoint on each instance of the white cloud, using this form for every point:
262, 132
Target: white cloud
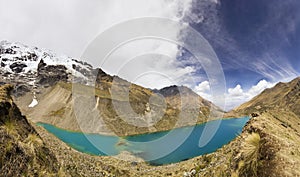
142, 63
274, 67
235, 96
261, 86
215, 1
236, 91
203, 89
67, 27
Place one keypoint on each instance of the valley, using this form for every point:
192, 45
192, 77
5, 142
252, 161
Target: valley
268, 145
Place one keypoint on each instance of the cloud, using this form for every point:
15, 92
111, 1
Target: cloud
203, 89
259, 87
236, 91
142, 63
67, 27
234, 96
265, 50
237, 95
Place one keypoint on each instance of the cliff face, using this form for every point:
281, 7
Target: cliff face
22, 151
31, 69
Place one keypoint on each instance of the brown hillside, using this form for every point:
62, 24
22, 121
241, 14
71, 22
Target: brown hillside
22, 151
97, 110
270, 142
283, 96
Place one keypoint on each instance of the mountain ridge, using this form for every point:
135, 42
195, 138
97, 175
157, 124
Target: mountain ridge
274, 124
269, 144
39, 73
282, 94
22, 149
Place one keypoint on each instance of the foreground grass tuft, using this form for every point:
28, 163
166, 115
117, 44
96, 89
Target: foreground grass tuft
10, 127
33, 141
250, 152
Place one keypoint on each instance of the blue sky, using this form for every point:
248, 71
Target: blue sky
255, 39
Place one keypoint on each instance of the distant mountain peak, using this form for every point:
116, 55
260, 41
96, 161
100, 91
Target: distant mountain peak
283, 96
31, 66
175, 90
26, 58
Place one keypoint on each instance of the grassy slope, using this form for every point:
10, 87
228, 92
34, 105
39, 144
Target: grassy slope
28, 150
277, 153
23, 153
284, 96
278, 147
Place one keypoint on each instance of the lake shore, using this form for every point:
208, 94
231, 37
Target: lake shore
156, 148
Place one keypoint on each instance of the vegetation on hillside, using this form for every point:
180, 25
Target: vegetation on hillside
283, 96
23, 153
269, 144
250, 152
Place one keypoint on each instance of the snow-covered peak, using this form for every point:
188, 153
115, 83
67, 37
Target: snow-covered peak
30, 68
19, 58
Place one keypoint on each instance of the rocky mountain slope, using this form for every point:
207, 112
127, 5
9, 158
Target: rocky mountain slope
87, 109
48, 86
22, 151
283, 96
268, 146
29, 150
31, 68
270, 142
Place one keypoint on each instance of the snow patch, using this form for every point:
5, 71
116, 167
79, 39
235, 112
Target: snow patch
33, 103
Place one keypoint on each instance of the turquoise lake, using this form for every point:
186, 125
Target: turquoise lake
160, 147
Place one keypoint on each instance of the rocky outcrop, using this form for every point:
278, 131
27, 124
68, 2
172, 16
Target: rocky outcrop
32, 69
17, 67
48, 75
23, 152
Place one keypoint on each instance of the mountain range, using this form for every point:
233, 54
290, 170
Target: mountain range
55, 89
58, 85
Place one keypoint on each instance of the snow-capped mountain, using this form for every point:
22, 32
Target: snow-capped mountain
19, 58
29, 67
